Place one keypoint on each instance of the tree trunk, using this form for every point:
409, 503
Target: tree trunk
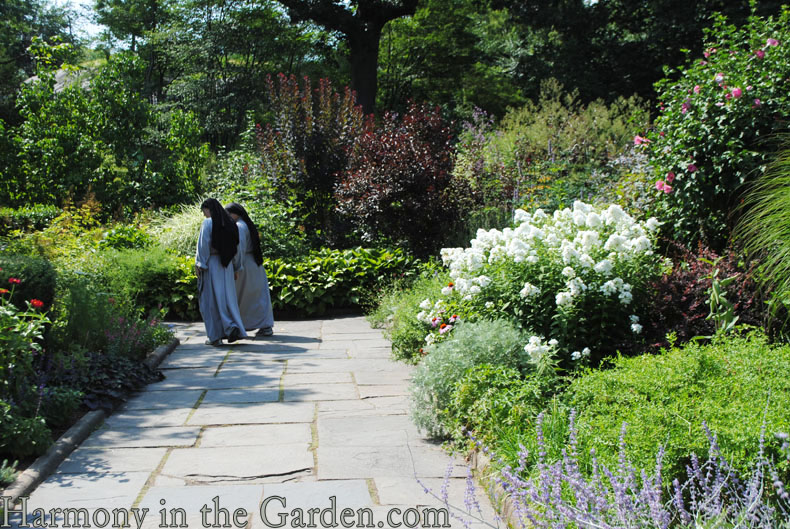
364, 57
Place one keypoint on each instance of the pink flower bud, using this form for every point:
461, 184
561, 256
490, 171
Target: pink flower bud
691, 168
760, 54
667, 188
696, 89
660, 185
736, 93
772, 42
670, 176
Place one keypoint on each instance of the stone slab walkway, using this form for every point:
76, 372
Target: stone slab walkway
317, 411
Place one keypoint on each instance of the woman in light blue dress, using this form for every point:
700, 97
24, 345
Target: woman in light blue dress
216, 250
252, 285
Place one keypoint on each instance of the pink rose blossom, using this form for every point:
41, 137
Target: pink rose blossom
696, 89
728, 95
691, 168
756, 103
639, 140
685, 107
760, 54
670, 177
736, 93
660, 185
667, 188
772, 42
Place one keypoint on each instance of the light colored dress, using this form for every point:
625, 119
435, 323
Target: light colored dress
252, 286
218, 304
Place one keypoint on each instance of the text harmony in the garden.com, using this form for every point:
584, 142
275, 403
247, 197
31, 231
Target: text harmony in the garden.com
272, 513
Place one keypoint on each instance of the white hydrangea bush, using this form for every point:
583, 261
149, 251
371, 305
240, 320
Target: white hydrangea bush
577, 280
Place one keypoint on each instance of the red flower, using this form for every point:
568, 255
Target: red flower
36, 303
4, 291
14, 281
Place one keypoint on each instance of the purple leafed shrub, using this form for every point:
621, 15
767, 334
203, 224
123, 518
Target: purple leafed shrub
399, 181
559, 494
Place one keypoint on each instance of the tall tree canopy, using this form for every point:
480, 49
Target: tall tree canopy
20, 22
361, 23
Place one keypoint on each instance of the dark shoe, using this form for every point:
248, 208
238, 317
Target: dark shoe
215, 343
235, 335
265, 331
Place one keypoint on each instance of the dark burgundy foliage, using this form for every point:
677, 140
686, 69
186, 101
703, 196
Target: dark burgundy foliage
305, 145
680, 304
398, 186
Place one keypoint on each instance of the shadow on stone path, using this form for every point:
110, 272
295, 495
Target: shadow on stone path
315, 412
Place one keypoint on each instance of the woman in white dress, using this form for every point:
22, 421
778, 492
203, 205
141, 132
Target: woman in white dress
216, 249
252, 285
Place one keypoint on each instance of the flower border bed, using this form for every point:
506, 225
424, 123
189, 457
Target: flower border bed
46, 464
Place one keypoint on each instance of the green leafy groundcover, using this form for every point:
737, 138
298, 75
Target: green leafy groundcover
735, 385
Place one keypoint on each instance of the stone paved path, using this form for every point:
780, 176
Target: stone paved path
316, 411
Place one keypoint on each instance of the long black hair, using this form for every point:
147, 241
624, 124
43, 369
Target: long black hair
255, 239
224, 232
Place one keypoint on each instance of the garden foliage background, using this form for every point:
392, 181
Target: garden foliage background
560, 251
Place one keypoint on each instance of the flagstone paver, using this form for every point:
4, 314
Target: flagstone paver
315, 416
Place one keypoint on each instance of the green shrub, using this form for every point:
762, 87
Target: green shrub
491, 397
498, 343
332, 279
124, 236
146, 278
22, 436
396, 313
37, 278
735, 385
26, 218
59, 404
718, 115
546, 153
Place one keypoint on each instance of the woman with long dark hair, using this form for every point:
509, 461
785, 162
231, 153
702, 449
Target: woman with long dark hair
217, 248
252, 285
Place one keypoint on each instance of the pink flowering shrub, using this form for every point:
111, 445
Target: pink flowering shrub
718, 117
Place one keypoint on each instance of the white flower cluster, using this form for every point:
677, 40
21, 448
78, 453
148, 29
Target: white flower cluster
576, 355
581, 236
537, 348
430, 310
529, 290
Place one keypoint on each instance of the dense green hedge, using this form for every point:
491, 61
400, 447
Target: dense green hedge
33, 217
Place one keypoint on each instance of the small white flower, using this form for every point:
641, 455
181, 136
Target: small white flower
652, 224
421, 315
532, 259
553, 342
489, 304
636, 328
604, 267
474, 290
586, 351
426, 304
446, 291
529, 290
576, 355
625, 297
483, 281
569, 272
563, 298
634, 318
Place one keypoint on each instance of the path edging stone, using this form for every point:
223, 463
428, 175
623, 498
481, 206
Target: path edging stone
500, 499
46, 464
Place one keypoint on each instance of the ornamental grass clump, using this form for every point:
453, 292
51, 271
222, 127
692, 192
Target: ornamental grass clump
577, 280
